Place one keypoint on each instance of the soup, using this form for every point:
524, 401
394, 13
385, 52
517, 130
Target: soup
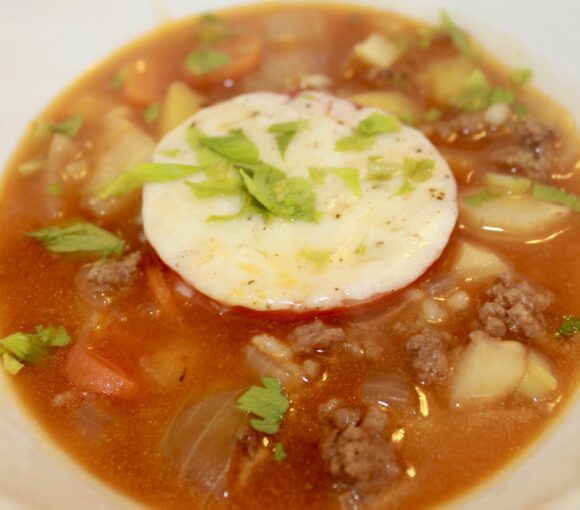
401, 396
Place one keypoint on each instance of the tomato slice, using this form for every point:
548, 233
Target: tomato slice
91, 372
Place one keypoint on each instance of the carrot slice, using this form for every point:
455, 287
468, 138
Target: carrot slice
144, 82
161, 291
245, 54
91, 372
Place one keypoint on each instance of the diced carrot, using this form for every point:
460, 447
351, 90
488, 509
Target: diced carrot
143, 83
245, 53
91, 372
161, 291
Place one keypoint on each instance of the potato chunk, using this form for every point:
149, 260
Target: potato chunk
519, 217
391, 101
475, 263
376, 51
539, 379
180, 103
488, 369
446, 78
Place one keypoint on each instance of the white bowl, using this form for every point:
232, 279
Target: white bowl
44, 46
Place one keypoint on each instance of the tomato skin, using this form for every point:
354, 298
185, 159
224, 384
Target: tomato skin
92, 372
245, 52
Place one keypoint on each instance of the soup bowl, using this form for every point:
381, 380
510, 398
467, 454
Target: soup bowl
45, 46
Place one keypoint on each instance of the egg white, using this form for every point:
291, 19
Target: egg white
378, 242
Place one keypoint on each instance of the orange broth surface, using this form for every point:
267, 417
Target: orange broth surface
444, 451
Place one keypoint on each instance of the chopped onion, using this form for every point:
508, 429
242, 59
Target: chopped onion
387, 391
272, 347
433, 312
459, 300
200, 440
262, 365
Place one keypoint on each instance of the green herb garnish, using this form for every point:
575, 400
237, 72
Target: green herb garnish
521, 76
285, 132
205, 61
570, 326
139, 175
118, 79
80, 237
556, 196
279, 452
415, 171
69, 127
479, 198
269, 403
351, 177
231, 185
151, 113
379, 169
456, 34
20, 348
501, 95
366, 130
235, 147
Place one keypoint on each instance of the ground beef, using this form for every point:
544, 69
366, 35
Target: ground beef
315, 337
534, 153
115, 274
515, 308
358, 456
463, 124
429, 350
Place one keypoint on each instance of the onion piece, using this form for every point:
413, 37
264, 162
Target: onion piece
389, 391
200, 440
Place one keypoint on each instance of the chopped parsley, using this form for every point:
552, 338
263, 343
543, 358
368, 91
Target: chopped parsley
235, 147
285, 132
80, 237
570, 326
145, 173
69, 127
269, 403
152, 112
456, 34
20, 348
205, 61
366, 130
279, 452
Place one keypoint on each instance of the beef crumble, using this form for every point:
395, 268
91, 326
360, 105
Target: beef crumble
515, 308
357, 454
106, 277
315, 337
429, 350
534, 154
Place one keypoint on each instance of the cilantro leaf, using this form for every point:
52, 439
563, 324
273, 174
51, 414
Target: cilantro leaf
570, 326
235, 147
279, 452
269, 403
456, 34
139, 175
20, 348
79, 237
202, 62
69, 127
285, 132
291, 198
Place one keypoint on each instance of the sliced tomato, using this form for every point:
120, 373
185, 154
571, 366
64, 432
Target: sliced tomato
91, 372
245, 54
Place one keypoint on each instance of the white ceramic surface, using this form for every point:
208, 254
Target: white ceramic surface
45, 45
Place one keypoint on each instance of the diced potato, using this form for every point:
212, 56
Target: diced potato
123, 145
539, 379
377, 51
488, 369
475, 263
515, 216
447, 77
180, 103
392, 102
167, 367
